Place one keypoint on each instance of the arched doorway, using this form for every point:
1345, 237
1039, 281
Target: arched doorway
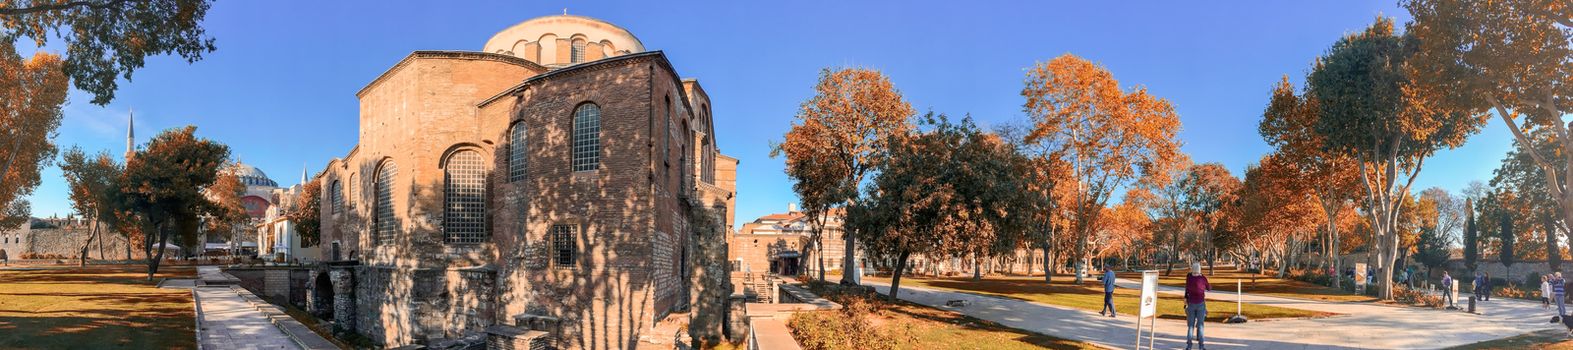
322, 296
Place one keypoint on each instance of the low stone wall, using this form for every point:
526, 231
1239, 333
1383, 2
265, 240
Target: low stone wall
67, 243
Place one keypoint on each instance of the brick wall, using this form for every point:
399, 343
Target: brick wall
630, 239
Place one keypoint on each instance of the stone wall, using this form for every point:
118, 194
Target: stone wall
65, 242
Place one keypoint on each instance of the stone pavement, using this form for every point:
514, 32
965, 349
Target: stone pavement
1361, 325
228, 321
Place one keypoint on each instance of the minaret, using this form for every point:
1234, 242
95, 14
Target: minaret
302, 174
130, 134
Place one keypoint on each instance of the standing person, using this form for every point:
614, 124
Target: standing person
1196, 288
1545, 291
1478, 287
1485, 286
1447, 289
1559, 293
1108, 291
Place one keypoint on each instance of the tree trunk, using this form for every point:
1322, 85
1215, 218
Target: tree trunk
849, 258
1049, 264
895, 276
82, 261
976, 268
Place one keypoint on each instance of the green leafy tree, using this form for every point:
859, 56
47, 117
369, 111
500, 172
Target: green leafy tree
164, 186
109, 39
1431, 251
947, 191
15, 214
94, 185
1372, 111
1505, 255
1471, 236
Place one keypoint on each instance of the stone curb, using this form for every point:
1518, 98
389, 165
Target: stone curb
196, 304
296, 331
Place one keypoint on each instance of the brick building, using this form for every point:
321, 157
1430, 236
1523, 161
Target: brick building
538, 190
779, 244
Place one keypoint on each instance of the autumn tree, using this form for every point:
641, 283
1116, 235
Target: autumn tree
838, 133
1165, 201
107, 40
229, 215
1374, 112
1289, 125
1277, 209
1209, 187
305, 213
165, 183
950, 190
1111, 138
1509, 57
33, 90
93, 183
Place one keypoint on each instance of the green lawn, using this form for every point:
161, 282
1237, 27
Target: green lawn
98, 307
1089, 296
1224, 281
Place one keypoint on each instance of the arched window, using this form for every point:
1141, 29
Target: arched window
464, 186
576, 51
337, 197
354, 191
384, 223
666, 144
586, 137
707, 162
516, 153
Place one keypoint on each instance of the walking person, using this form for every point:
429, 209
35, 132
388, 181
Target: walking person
1559, 293
1108, 291
1196, 288
1447, 289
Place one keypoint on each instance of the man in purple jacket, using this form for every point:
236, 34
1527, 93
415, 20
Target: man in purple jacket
1196, 287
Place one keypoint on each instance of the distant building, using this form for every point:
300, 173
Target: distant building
779, 244
266, 204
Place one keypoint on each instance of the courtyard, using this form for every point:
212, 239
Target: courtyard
94, 307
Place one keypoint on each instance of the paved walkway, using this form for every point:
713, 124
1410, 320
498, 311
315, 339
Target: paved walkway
1362, 325
229, 322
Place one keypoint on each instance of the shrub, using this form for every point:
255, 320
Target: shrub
1532, 279
848, 328
1410, 296
1511, 291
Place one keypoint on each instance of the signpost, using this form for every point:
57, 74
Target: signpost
1149, 308
1239, 303
1453, 301
1360, 278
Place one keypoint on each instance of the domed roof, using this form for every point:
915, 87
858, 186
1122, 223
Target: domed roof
540, 39
250, 175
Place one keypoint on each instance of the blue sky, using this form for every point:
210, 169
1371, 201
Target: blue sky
280, 90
